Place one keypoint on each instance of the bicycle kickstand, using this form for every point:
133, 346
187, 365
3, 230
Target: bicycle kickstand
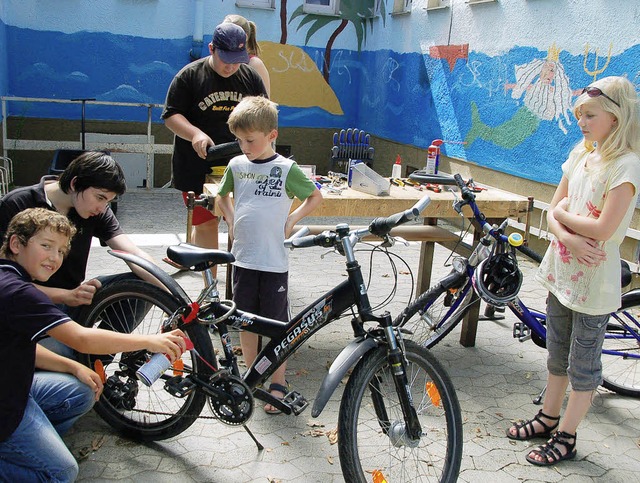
255, 440
538, 399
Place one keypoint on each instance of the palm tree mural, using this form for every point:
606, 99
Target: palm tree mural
358, 12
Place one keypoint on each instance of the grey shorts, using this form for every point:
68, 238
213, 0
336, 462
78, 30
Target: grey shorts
261, 293
574, 342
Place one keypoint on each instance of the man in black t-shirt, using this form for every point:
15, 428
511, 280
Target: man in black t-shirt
199, 101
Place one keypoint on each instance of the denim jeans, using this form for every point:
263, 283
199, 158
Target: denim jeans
35, 451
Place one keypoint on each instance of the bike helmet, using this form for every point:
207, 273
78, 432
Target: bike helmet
497, 279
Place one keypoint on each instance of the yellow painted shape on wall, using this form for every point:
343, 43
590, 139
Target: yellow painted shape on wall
295, 79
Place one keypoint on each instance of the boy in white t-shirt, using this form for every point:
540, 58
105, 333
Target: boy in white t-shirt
264, 184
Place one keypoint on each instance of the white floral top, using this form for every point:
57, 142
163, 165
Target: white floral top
590, 290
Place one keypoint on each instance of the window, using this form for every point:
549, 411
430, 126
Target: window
366, 8
401, 6
436, 4
322, 7
266, 4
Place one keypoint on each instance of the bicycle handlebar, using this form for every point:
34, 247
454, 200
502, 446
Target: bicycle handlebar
382, 226
222, 151
379, 227
470, 199
536, 257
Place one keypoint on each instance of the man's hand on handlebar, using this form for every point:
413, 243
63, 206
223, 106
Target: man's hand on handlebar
200, 143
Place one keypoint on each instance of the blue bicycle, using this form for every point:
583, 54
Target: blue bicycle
491, 274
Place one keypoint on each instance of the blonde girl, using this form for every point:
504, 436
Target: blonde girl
588, 216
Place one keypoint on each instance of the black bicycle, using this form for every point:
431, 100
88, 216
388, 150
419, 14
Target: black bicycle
491, 274
399, 417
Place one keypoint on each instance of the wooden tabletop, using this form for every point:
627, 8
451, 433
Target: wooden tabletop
492, 202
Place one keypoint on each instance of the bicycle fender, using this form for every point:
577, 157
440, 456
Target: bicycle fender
345, 360
174, 288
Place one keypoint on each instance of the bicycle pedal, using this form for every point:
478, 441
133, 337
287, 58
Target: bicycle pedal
179, 386
292, 403
296, 402
521, 332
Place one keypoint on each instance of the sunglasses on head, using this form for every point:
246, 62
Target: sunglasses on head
595, 92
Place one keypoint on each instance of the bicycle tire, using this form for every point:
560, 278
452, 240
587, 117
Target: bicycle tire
423, 317
366, 444
156, 414
622, 374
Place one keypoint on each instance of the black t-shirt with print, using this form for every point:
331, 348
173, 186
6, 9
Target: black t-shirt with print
206, 99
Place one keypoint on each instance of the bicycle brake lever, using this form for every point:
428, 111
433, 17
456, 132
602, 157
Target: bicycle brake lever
388, 241
327, 253
402, 241
457, 202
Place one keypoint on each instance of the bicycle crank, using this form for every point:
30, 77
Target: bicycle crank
230, 398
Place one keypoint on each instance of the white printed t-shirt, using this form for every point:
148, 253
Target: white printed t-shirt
590, 290
263, 192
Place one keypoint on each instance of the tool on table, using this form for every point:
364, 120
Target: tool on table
474, 187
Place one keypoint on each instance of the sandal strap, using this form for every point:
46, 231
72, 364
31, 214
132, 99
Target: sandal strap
550, 449
274, 386
552, 418
528, 425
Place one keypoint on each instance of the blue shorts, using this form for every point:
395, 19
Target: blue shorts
261, 293
574, 342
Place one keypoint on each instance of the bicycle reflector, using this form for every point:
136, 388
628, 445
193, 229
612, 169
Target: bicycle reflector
497, 279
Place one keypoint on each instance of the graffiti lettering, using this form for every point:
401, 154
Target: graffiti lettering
291, 63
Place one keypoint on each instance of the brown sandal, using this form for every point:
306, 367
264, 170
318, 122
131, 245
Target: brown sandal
529, 431
550, 452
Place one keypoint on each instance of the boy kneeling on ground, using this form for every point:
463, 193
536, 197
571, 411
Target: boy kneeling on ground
41, 393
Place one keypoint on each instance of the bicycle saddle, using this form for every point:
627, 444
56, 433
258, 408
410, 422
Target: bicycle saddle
189, 255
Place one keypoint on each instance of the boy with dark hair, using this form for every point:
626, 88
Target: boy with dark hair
263, 184
82, 193
38, 407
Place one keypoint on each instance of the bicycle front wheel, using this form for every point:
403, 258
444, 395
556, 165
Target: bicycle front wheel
372, 439
140, 412
621, 353
434, 314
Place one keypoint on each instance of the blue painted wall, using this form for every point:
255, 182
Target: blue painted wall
449, 73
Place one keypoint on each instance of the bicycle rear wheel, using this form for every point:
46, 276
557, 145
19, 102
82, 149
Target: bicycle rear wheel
435, 313
371, 425
621, 370
140, 412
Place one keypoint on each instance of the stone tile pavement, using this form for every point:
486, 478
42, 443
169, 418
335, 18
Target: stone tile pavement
495, 381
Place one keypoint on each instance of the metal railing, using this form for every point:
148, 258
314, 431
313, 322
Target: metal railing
149, 148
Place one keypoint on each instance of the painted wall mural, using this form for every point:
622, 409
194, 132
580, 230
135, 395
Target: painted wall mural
501, 99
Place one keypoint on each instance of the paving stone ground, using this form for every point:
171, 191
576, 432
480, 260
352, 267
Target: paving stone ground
495, 381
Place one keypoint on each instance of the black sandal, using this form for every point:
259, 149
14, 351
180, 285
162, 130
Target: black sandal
550, 452
529, 432
274, 386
